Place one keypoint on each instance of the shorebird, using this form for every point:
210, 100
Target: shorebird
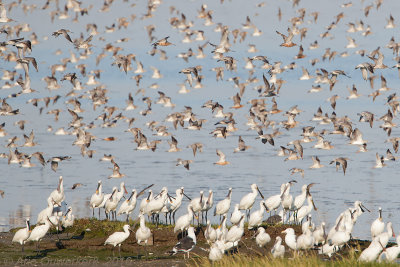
39, 232
185, 244
340, 161
224, 205
3, 14
97, 198
247, 202
117, 238
287, 40
184, 221
378, 225
22, 235
222, 161
143, 233
64, 32
162, 42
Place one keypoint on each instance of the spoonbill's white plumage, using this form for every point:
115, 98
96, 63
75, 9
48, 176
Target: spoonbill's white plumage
377, 226
39, 232
47, 212
247, 202
223, 206
128, 205
210, 234
97, 198
117, 238
184, 221
256, 217
22, 235
236, 214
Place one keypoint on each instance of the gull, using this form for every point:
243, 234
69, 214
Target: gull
185, 244
340, 161
64, 32
278, 250
117, 238
287, 40
262, 237
22, 235
222, 161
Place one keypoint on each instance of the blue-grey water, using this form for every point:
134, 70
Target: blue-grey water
26, 189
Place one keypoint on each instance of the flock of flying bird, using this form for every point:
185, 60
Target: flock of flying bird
17, 49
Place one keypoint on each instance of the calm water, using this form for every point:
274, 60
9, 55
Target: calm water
26, 190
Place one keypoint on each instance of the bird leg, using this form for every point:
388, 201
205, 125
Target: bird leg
119, 250
99, 214
127, 217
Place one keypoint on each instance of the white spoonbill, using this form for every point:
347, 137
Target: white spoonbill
235, 233
117, 238
111, 204
385, 236
223, 206
47, 212
372, 252
184, 221
97, 198
247, 202
256, 217
391, 253
208, 204
128, 205
273, 202
290, 238
39, 232
22, 235
236, 214
216, 253
210, 234
68, 219
378, 225
143, 233
58, 194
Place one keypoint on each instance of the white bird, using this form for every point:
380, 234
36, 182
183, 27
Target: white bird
120, 193
58, 195
184, 221
173, 204
47, 212
235, 233
97, 198
340, 237
256, 217
304, 210
305, 240
197, 204
22, 235
222, 230
385, 236
186, 244
236, 214
39, 232
145, 201
300, 199
262, 237
216, 253
391, 253
111, 204
128, 205
274, 202
143, 233
3, 14
278, 250
378, 225
308, 224
68, 219
290, 238
210, 234
208, 204
372, 252
319, 234
117, 238
247, 202
287, 198
223, 206
156, 205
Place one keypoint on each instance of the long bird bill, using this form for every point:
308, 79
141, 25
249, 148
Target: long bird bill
261, 195
142, 192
